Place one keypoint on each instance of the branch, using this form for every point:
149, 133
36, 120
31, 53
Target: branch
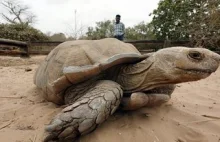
8, 19
30, 19
12, 10
17, 10
7, 4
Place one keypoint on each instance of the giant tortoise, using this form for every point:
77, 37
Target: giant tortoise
96, 77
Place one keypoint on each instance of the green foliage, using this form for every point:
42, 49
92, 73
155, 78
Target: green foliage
103, 29
21, 32
197, 20
170, 18
140, 31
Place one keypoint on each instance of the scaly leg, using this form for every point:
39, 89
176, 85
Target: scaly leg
140, 99
151, 98
86, 113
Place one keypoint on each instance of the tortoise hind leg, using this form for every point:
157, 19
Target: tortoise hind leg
85, 114
140, 99
154, 97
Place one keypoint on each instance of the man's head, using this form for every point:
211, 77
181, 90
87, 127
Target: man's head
118, 18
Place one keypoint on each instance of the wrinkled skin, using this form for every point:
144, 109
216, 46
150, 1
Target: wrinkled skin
147, 83
153, 80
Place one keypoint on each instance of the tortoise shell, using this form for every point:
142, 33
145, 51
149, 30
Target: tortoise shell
72, 62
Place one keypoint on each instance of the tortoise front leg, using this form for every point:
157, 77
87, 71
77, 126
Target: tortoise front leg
85, 114
140, 99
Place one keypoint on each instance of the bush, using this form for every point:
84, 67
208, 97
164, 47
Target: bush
21, 32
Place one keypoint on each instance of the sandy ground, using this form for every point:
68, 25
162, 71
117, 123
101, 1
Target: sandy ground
192, 115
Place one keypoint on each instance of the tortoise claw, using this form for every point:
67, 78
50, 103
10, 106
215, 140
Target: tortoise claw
50, 138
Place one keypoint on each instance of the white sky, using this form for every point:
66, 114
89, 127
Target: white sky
59, 16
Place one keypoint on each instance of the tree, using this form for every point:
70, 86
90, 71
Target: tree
196, 20
17, 13
19, 20
103, 29
76, 33
141, 31
58, 37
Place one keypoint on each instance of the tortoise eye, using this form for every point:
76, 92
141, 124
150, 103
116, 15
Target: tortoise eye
196, 55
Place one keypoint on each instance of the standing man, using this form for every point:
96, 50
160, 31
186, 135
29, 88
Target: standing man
119, 28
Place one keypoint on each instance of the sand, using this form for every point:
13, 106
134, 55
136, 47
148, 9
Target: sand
192, 115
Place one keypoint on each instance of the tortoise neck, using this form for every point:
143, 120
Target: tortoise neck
141, 76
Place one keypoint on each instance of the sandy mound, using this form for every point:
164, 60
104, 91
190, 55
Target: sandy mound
192, 115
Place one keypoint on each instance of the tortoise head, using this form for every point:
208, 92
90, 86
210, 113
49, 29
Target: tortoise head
182, 64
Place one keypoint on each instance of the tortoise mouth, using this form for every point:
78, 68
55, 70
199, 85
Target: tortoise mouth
197, 71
